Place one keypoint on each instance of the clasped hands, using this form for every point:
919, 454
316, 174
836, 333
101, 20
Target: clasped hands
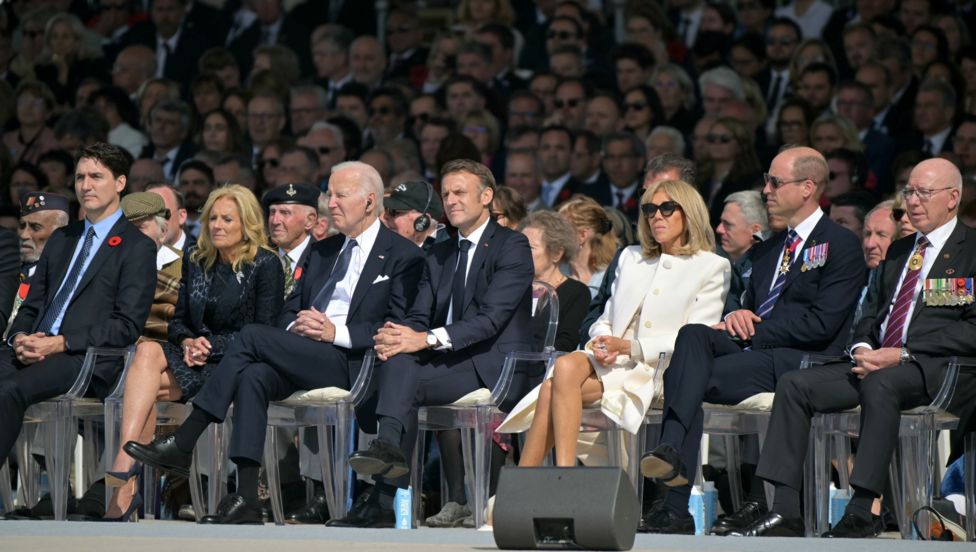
31, 348
606, 348
740, 324
196, 351
392, 339
314, 325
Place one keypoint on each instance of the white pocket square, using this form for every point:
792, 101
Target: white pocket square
381, 278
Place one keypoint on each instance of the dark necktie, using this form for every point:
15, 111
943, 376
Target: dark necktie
460, 275
324, 295
620, 200
289, 274
67, 289
927, 147
773, 92
903, 302
789, 249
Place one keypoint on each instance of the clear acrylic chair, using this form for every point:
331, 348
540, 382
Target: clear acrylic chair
970, 481
332, 411
57, 420
478, 413
912, 468
207, 455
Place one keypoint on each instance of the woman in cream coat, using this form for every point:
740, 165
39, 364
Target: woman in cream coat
671, 279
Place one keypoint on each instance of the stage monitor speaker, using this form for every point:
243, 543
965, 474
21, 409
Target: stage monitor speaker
565, 508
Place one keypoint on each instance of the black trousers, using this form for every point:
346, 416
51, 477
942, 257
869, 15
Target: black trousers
708, 366
407, 382
882, 395
267, 364
23, 385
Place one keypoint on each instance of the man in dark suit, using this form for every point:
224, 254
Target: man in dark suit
292, 214
169, 131
472, 307
93, 287
272, 27
800, 298
623, 158
404, 40
177, 38
353, 282
898, 357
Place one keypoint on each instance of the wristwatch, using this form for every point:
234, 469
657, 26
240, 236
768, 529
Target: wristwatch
905, 356
432, 341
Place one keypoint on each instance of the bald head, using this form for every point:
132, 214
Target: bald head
366, 60
797, 178
133, 66
932, 194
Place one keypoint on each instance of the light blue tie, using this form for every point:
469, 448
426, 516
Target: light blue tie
63, 297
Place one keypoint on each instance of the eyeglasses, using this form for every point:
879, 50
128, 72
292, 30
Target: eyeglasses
780, 41
273, 163
399, 30
421, 117
561, 35
263, 116
778, 183
636, 106
897, 214
567, 103
325, 150
667, 209
834, 175
792, 125
719, 138
922, 194
665, 84
384, 111
33, 34
476, 129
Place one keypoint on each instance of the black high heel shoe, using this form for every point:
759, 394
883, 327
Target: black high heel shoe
120, 479
133, 507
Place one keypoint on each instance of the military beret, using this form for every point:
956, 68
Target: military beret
33, 202
298, 194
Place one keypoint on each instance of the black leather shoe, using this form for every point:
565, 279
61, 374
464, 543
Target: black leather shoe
316, 511
161, 453
665, 521
854, 527
365, 513
22, 514
664, 464
750, 513
233, 510
381, 458
772, 525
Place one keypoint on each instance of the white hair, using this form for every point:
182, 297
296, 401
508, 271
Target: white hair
753, 208
336, 132
723, 77
369, 180
677, 139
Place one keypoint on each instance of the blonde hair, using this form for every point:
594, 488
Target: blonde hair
252, 226
584, 212
698, 235
844, 125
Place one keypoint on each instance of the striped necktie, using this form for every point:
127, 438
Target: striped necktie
789, 249
906, 294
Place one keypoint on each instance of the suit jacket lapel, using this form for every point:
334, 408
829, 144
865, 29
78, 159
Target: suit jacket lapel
104, 251
480, 254
763, 268
372, 268
59, 271
447, 259
324, 260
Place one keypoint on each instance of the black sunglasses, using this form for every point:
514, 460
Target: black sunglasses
324, 150
897, 214
636, 106
719, 138
273, 163
561, 35
667, 209
384, 110
566, 103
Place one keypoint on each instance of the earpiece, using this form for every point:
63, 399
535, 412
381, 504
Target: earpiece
369, 203
423, 222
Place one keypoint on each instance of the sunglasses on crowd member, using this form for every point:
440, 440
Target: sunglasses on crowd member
667, 209
719, 138
567, 103
325, 150
561, 35
636, 106
382, 110
897, 214
273, 163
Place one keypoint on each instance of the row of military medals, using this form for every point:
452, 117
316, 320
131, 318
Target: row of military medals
948, 292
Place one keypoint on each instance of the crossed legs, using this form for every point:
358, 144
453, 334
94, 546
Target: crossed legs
559, 409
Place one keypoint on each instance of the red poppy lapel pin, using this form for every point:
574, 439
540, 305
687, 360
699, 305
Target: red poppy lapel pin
298, 274
114, 241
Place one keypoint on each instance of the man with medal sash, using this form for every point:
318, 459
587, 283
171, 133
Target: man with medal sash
919, 316
800, 299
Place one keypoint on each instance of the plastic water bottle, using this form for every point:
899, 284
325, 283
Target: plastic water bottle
696, 507
838, 503
403, 508
711, 502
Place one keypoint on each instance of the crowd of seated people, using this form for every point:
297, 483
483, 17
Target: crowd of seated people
712, 195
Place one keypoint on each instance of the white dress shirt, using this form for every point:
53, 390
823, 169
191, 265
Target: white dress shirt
475, 238
338, 309
803, 230
295, 254
937, 238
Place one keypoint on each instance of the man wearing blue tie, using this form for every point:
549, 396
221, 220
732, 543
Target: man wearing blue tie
352, 283
92, 287
805, 282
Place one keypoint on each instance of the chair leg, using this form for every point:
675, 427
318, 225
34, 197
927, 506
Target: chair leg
733, 465
480, 474
417, 477
29, 473
6, 492
817, 481
969, 467
337, 443
59, 449
274, 479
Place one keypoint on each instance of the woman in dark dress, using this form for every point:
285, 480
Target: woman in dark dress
230, 279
